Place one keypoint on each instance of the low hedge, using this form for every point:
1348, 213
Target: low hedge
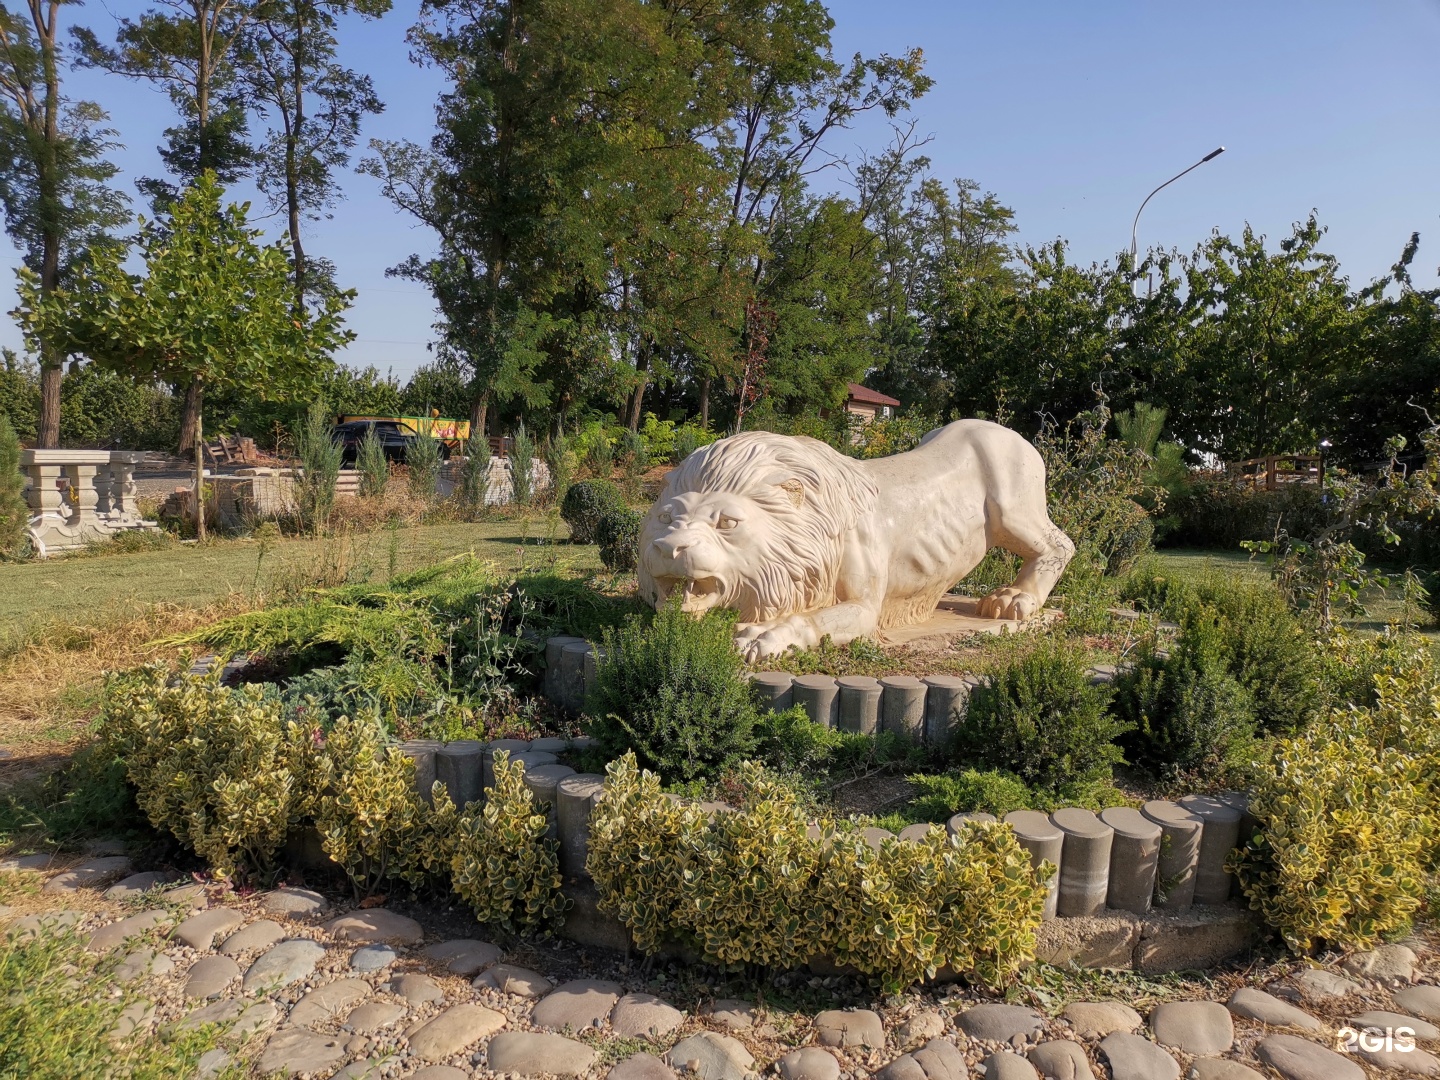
230, 775
759, 887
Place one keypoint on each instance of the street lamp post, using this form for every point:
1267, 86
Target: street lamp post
1136, 223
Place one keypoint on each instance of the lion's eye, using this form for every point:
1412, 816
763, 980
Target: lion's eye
665, 518
726, 523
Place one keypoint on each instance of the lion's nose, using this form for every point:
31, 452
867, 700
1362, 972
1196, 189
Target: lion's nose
672, 545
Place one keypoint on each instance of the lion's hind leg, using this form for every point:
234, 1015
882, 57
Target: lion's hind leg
1046, 551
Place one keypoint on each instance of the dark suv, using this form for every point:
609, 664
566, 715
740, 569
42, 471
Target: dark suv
394, 437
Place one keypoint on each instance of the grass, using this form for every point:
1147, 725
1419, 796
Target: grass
55, 1022
90, 589
64, 622
1382, 606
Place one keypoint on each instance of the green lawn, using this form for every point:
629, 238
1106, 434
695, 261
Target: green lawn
94, 587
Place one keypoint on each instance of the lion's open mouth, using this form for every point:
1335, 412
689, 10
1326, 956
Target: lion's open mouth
697, 593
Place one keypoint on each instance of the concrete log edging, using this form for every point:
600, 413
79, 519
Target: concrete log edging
1167, 856
925, 708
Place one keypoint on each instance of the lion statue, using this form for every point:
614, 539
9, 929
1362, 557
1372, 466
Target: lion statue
804, 542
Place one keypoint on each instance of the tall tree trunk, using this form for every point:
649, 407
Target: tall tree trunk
199, 436
705, 402
190, 416
479, 406
46, 29
637, 398
47, 434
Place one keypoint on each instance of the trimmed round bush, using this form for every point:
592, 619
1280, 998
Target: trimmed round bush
1189, 715
1040, 718
618, 534
585, 503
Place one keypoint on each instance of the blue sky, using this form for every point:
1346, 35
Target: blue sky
1069, 112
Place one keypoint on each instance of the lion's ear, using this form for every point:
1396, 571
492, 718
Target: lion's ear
796, 490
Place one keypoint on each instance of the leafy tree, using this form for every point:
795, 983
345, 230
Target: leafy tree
315, 105
186, 48
20, 393
1267, 327
213, 308
787, 96
53, 173
1035, 348
1389, 383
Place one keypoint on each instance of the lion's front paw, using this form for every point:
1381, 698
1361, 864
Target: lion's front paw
758, 640
1009, 603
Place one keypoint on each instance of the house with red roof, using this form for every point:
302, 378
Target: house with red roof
868, 404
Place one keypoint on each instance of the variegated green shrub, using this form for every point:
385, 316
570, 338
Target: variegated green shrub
638, 845
503, 863
1338, 855
970, 902
216, 767
749, 890
370, 818
761, 885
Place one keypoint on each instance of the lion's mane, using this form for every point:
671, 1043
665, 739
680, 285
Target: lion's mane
813, 497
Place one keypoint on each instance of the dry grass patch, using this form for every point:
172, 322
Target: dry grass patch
50, 681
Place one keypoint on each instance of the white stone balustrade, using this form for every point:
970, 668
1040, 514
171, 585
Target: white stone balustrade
79, 496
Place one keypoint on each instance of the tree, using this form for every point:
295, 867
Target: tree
787, 96
213, 309
53, 172
1035, 347
315, 106
187, 48
1266, 328
1389, 382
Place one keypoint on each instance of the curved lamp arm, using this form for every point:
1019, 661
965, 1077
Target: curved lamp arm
1136, 224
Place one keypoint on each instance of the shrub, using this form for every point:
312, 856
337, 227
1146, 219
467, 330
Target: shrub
755, 887
634, 459
504, 863
89, 797
585, 503
599, 453
997, 793
522, 467
688, 439
1261, 643
372, 464
1040, 718
672, 692
562, 461
370, 818
475, 478
618, 534
1188, 715
1337, 857
14, 511
220, 769
320, 458
422, 461
1094, 482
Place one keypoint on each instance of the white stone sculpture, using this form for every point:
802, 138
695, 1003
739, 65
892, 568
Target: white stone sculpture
804, 542
80, 496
